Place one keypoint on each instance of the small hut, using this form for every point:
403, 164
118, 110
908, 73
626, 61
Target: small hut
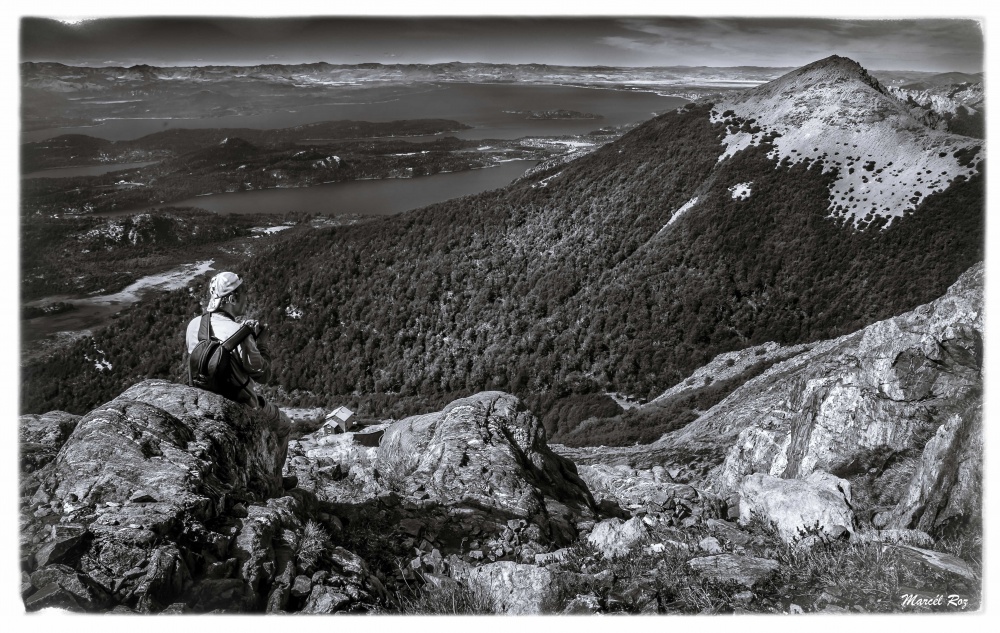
339, 418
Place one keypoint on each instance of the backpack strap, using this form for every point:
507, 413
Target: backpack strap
237, 338
205, 329
205, 333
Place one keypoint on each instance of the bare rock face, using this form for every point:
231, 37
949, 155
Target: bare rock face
41, 437
475, 481
486, 450
797, 506
863, 407
167, 497
945, 491
160, 442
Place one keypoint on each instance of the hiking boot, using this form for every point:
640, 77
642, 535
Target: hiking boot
289, 482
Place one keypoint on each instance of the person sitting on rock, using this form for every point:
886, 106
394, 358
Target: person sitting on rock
227, 303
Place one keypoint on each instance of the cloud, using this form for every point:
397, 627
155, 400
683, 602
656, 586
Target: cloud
890, 44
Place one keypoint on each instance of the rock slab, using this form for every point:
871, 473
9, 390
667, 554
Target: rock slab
797, 507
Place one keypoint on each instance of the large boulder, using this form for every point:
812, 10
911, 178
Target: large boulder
168, 497
798, 508
163, 443
476, 476
485, 450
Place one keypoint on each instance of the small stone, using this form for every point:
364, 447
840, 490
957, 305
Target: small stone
795, 609
711, 545
142, 497
478, 554
582, 604
325, 600
320, 576
302, 586
51, 595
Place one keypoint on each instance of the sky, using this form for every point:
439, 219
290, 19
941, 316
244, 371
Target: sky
878, 44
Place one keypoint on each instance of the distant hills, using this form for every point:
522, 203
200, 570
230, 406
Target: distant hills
54, 76
712, 228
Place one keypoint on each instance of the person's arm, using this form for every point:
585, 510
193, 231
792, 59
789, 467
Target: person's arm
256, 359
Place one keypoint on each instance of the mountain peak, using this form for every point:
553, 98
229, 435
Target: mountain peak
834, 62
835, 68
832, 112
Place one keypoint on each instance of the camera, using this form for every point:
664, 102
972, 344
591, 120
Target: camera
259, 329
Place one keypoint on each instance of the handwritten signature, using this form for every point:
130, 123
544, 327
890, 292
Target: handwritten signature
923, 600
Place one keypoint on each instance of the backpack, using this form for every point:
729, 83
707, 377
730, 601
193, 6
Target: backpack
210, 362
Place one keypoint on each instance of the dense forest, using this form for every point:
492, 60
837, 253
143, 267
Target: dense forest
560, 287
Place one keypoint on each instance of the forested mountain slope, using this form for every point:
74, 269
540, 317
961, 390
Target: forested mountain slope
624, 270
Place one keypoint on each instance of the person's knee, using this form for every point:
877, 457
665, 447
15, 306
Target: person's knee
284, 426
277, 420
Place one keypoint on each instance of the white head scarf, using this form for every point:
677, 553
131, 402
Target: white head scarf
222, 286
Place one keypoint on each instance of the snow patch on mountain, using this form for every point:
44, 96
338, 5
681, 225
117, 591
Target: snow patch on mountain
834, 114
741, 190
681, 211
270, 230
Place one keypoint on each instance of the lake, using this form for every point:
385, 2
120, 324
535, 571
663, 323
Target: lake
482, 106
364, 197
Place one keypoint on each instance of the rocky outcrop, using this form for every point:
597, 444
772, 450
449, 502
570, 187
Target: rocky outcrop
168, 497
798, 508
863, 408
486, 450
945, 491
475, 479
